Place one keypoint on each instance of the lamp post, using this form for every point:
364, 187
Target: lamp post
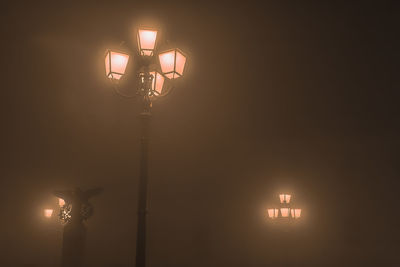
285, 212
155, 79
74, 209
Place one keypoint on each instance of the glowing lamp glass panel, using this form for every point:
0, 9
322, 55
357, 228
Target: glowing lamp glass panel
115, 64
172, 63
61, 202
296, 213
158, 82
47, 213
273, 213
285, 212
284, 198
146, 41
167, 61
180, 63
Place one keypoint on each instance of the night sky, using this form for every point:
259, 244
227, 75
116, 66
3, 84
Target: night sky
296, 96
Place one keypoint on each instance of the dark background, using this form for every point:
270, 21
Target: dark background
297, 96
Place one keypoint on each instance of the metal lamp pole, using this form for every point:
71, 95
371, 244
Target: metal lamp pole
143, 178
151, 85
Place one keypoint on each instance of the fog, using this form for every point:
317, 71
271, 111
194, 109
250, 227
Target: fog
298, 97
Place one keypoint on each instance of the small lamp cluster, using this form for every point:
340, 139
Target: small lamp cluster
172, 62
285, 211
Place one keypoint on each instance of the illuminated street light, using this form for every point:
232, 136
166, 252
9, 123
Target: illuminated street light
284, 198
172, 63
285, 212
146, 41
115, 63
295, 213
152, 68
157, 83
273, 213
61, 202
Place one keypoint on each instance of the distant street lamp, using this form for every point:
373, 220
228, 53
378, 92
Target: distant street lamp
295, 213
151, 84
74, 209
273, 213
285, 198
286, 211
61, 202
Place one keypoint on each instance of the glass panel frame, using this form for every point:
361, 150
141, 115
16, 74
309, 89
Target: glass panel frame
146, 51
174, 73
111, 73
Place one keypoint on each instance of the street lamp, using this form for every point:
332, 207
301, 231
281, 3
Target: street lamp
172, 63
146, 38
151, 84
273, 213
284, 198
295, 213
61, 202
285, 212
116, 63
74, 209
